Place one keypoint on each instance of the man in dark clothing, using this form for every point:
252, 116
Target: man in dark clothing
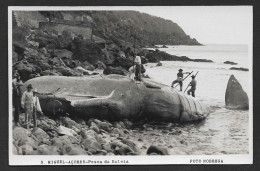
193, 85
17, 83
179, 78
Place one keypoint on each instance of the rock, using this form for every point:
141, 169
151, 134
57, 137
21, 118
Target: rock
105, 126
115, 70
73, 150
107, 147
61, 141
132, 145
46, 150
90, 68
91, 143
95, 128
158, 150
100, 65
26, 149
24, 69
67, 71
230, 62
117, 131
101, 152
124, 150
164, 46
86, 133
159, 64
240, 69
127, 124
14, 57
20, 133
126, 63
144, 60
82, 70
40, 134
49, 72
201, 60
66, 131
57, 61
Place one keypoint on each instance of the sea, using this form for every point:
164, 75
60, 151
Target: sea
225, 131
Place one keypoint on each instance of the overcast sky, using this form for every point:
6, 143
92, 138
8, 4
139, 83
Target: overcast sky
221, 25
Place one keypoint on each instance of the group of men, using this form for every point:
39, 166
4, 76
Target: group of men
28, 101
180, 79
137, 70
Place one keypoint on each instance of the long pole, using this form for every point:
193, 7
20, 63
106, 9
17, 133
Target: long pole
184, 79
189, 84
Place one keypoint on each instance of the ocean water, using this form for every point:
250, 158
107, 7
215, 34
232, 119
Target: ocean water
225, 131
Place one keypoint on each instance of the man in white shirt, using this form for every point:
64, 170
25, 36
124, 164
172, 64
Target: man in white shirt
138, 63
30, 104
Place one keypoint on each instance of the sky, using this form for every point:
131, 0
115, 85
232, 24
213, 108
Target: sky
210, 25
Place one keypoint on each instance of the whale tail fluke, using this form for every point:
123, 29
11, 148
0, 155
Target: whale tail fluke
235, 97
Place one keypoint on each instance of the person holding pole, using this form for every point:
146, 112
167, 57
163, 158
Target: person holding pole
138, 63
193, 85
179, 78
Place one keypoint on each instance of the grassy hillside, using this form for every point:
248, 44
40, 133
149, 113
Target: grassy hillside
123, 27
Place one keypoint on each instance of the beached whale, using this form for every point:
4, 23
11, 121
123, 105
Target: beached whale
116, 97
236, 97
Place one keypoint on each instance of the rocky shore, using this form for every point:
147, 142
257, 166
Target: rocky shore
39, 52
66, 136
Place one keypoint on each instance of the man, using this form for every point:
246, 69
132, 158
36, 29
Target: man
27, 103
138, 63
179, 78
193, 84
36, 106
17, 83
30, 104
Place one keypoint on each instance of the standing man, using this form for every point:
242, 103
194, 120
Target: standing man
27, 103
179, 78
193, 84
36, 106
17, 83
138, 63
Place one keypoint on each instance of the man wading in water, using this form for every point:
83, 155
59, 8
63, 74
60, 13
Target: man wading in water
193, 84
179, 78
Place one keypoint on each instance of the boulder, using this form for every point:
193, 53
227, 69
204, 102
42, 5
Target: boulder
159, 64
40, 134
91, 143
61, 141
160, 150
131, 144
124, 150
105, 126
49, 72
61, 53
66, 131
46, 150
24, 69
144, 60
73, 149
116, 70
230, 62
67, 71
82, 70
100, 65
27, 149
126, 63
117, 131
239, 69
87, 133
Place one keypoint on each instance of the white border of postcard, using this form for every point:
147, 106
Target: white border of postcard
123, 160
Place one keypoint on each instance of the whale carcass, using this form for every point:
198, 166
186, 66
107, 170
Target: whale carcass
236, 97
116, 97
